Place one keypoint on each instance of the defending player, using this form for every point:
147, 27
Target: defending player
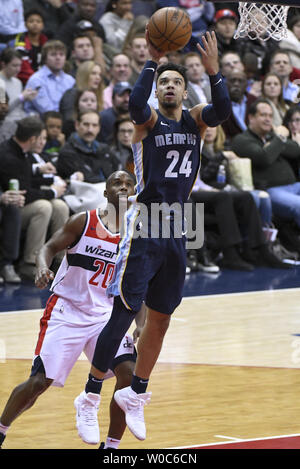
77, 311
166, 148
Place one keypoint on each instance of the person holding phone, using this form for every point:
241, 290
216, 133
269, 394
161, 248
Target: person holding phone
11, 60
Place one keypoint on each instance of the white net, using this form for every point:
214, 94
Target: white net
262, 21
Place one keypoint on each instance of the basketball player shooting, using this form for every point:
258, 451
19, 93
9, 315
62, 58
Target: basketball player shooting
77, 311
166, 148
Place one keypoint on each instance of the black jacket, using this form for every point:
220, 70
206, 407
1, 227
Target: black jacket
271, 163
15, 164
95, 165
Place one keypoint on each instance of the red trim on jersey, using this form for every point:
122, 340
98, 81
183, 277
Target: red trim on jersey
96, 229
44, 322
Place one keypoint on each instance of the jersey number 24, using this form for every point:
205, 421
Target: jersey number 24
174, 169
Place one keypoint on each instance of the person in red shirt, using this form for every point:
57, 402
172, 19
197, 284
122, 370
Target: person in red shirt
30, 44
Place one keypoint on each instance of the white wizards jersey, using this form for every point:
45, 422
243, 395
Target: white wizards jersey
87, 268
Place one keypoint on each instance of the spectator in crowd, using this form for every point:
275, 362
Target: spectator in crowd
291, 42
230, 61
44, 171
85, 100
198, 87
50, 80
225, 24
241, 237
272, 91
237, 84
86, 45
83, 157
11, 19
7, 127
43, 210
120, 71
260, 50
82, 50
292, 122
54, 12
280, 63
120, 100
11, 64
30, 44
271, 151
11, 202
217, 155
139, 55
121, 143
55, 138
81, 20
88, 76
116, 21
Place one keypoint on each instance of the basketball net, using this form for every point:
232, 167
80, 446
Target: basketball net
262, 21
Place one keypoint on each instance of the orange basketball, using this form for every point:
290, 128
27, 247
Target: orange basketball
170, 29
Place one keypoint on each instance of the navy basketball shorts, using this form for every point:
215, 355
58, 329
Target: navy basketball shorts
151, 270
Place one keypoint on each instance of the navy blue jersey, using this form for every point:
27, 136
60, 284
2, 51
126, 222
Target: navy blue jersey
167, 160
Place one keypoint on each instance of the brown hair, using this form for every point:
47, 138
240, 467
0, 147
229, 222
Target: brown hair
51, 45
281, 102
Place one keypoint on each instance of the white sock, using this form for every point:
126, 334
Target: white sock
3, 429
112, 443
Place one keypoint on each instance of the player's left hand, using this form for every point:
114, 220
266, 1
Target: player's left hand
43, 276
209, 54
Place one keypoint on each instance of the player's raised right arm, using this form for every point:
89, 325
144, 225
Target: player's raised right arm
219, 111
60, 241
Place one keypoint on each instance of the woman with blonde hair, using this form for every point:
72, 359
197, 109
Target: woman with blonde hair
88, 77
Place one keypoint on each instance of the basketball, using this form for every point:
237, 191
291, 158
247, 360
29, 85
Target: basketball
169, 29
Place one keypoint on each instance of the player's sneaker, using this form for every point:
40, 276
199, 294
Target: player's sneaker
87, 406
133, 406
2, 438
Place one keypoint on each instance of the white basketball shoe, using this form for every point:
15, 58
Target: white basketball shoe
133, 406
87, 406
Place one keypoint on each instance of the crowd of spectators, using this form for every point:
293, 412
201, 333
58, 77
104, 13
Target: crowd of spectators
67, 69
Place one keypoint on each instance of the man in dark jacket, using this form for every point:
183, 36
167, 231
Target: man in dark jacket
270, 152
43, 208
83, 158
236, 82
81, 20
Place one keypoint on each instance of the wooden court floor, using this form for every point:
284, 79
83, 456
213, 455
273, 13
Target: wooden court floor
229, 369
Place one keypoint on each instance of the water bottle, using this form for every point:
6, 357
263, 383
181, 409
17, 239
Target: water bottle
221, 176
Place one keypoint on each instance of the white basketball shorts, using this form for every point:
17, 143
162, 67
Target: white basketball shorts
61, 342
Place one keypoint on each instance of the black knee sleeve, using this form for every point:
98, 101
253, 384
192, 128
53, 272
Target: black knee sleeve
110, 338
